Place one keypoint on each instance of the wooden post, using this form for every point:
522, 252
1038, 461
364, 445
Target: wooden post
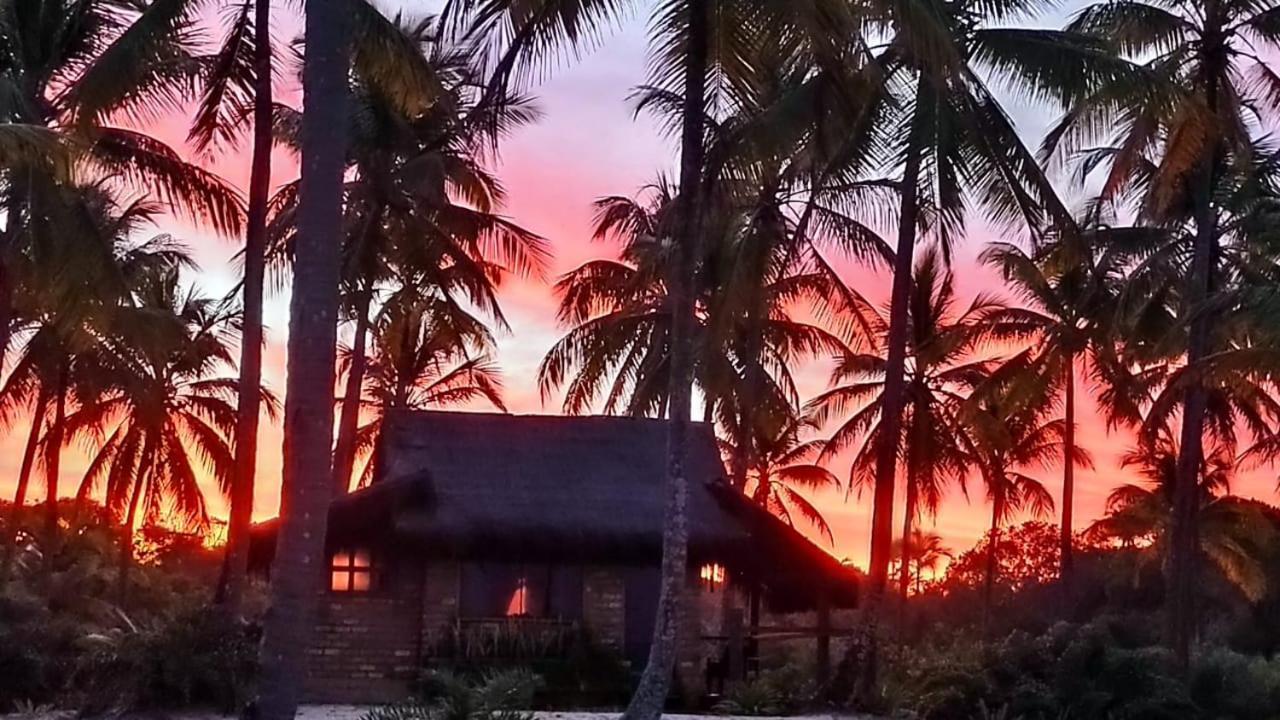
733, 628
753, 640
822, 664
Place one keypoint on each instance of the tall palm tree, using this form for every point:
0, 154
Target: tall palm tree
945, 365
241, 74
1167, 138
161, 417
1069, 298
954, 142
313, 318
427, 353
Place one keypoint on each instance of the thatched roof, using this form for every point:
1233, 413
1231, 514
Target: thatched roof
586, 489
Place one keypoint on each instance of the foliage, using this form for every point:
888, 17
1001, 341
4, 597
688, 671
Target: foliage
501, 695
199, 657
573, 668
1027, 555
784, 690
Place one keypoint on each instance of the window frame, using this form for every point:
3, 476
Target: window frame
352, 568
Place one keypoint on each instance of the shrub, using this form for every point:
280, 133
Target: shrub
195, 658
783, 690
504, 695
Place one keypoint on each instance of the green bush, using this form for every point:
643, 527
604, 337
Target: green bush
195, 658
504, 695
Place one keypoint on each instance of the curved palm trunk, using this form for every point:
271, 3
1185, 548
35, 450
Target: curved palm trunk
308, 425
53, 450
655, 682
892, 402
344, 454
1067, 539
236, 564
130, 518
904, 570
24, 478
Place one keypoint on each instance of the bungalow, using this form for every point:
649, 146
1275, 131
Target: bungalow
477, 520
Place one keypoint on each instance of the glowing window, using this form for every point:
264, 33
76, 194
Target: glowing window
351, 571
712, 575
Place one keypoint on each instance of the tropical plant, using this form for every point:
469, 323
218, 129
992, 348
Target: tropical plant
1005, 436
427, 353
307, 479
929, 552
1234, 535
1168, 138
943, 370
163, 421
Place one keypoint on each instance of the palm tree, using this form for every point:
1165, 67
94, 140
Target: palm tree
1069, 293
308, 426
84, 64
1167, 137
954, 141
928, 551
427, 353
242, 74
942, 370
1004, 436
161, 417
785, 467
1234, 535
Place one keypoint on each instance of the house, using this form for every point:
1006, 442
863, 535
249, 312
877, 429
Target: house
481, 521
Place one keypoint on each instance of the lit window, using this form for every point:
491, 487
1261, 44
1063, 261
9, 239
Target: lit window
518, 605
351, 571
712, 575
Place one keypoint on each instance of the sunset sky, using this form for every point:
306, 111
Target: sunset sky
589, 144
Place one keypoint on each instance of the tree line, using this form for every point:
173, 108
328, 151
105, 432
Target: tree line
1138, 259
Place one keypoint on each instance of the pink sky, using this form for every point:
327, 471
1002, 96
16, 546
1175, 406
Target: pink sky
588, 145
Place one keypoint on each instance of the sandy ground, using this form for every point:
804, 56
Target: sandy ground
352, 712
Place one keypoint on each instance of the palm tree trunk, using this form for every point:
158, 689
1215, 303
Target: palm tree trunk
308, 426
344, 454
130, 517
892, 402
904, 570
1185, 544
655, 682
993, 552
1067, 539
24, 478
53, 456
249, 389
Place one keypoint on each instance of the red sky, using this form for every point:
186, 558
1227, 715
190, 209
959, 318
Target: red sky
588, 145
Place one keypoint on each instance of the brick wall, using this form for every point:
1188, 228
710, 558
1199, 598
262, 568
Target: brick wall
604, 606
365, 647
441, 586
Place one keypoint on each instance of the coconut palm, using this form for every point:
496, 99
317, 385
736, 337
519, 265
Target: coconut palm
955, 144
1069, 294
1234, 535
1004, 438
1167, 138
945, 365
72, 68
929, 552
785, 469
427, 353
313, 318
161, 417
